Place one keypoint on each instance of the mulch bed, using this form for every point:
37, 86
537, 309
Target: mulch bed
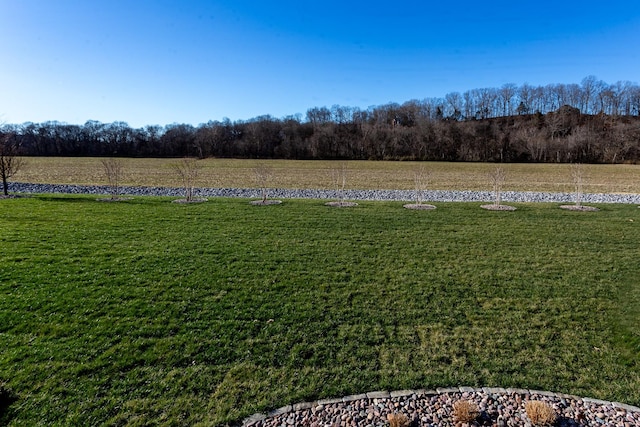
494, 207
579, 208
341, 204
419, 206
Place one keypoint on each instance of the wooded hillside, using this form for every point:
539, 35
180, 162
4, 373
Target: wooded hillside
590, 123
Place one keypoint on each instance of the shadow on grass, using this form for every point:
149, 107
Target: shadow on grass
7, 398
101, 199
86, 199
66, 198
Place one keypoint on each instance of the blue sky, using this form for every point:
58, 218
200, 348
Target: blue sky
165, 61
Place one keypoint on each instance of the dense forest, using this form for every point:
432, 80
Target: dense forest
591, 122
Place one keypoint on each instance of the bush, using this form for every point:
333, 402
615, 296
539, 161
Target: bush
398, 420
540, 413
465, 411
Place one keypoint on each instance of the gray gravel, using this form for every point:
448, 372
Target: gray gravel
379, 195
498, 407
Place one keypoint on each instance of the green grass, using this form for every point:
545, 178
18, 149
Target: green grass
153, 313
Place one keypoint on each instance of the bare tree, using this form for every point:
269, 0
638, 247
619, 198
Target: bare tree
339, 178
577, 173
497, 178
10, 163
113, 172
533, 142
262, 175
421, 180
187, 169
454, 105
506, 95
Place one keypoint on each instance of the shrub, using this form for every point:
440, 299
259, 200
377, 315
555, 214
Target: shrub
540, 413
465, 411
398, 420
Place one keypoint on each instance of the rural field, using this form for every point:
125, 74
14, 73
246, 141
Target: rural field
148, 312
317, 174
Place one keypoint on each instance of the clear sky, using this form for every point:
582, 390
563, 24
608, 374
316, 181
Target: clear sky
180, 61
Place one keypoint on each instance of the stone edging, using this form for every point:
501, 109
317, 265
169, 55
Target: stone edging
424, 392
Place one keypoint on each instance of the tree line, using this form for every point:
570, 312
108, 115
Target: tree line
591, 122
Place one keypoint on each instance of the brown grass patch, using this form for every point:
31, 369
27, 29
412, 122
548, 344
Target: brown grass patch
540, 413
398, 420
465, 411
231, 173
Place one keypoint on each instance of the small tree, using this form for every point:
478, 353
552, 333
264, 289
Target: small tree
339, 176
113, 172
187, 169
497, 178
10, 163
578, 176
262, 175
421, 180
577, 173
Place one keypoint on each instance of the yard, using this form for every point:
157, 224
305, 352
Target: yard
148, 312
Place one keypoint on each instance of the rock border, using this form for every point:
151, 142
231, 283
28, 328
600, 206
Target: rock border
580, 208
393, 400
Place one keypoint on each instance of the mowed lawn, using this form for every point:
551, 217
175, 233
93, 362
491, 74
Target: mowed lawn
149, 312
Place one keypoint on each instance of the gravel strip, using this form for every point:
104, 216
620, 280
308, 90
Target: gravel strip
430, 408
378, 195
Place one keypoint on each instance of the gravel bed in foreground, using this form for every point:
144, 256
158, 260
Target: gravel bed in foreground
498, 407
380, 195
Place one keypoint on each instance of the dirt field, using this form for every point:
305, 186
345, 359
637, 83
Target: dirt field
318, 174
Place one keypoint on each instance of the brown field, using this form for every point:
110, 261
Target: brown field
318, 174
